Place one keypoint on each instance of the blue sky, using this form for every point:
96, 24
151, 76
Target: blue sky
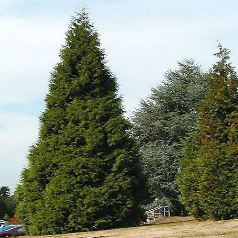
142, 39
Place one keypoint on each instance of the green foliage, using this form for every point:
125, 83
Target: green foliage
163, 122
208, 178
7, 203
84, 172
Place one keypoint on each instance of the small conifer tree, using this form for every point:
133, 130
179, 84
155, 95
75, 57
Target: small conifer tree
208, 178
83, 173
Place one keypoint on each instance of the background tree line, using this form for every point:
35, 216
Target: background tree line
7, 203
188, 132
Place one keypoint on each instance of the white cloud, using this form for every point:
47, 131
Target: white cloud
17, 133
29, 50
141, 51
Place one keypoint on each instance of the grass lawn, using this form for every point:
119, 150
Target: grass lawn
173, 228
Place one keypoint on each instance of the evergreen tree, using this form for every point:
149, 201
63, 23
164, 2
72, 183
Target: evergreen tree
7, 203
163, 122
84, 171
208, 178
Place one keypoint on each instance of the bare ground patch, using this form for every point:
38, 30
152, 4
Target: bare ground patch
175, 227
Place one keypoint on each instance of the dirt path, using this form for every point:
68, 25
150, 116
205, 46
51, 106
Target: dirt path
181, 229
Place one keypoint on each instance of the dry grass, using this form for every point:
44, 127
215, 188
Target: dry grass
174, 228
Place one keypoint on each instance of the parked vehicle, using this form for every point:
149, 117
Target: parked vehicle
3, 223
12, 230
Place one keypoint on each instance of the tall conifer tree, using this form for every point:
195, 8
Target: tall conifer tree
83, 173
208, 178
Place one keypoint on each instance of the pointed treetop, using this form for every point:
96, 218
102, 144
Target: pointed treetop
223, 66
223, 53
81, 18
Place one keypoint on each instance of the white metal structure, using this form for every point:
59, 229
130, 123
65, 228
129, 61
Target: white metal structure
157, 212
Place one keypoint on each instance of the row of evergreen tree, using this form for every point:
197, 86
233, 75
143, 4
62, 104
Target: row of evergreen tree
87, 170
188, 132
